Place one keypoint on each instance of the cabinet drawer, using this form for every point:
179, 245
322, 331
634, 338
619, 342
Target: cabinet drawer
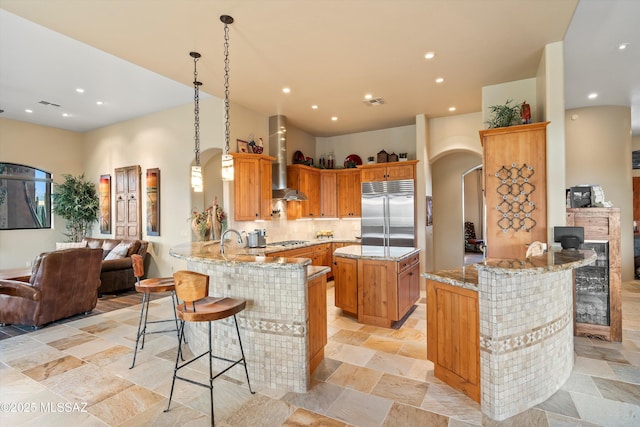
408, 262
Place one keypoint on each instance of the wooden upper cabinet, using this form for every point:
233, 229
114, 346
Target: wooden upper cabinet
328, 194
252, 186
306, 180
128, 212
388, 171
514, 169
349, 193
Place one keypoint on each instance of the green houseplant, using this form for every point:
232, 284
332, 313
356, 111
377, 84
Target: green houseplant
76, 200
505, 115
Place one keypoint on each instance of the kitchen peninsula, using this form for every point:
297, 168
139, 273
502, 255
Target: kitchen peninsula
501, 330
284, 325
378, 284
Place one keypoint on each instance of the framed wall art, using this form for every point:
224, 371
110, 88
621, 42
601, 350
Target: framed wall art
243, 146
153, 202
104, 190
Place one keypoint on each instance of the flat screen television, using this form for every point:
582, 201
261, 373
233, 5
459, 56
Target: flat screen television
569, 237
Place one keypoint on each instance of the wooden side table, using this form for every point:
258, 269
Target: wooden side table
22, 274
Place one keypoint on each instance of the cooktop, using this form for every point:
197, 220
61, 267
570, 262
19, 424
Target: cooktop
288, 243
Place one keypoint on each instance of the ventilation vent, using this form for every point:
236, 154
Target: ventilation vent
374, 101
48, 103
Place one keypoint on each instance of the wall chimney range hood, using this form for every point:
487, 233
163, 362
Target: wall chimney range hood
278, 149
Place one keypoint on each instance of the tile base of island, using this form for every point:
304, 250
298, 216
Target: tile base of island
501, 330
282, 337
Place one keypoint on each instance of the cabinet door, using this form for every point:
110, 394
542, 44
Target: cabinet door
408, 289
349, 194
346, 284
514, 171
317, 291
128, 212
453, 336
370, 174
265, 188
377, 292
400, 171
247, 189
328, 194
321, 255
310, 185
332, 258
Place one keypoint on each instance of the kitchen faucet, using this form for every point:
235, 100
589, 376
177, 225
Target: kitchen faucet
225, 233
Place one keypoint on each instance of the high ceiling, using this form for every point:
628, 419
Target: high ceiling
134, 57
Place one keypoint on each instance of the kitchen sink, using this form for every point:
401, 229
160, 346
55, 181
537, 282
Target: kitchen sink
288, 243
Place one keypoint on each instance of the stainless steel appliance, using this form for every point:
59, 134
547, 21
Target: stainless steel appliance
388, 213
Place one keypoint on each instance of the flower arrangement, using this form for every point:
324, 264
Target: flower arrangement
201, 222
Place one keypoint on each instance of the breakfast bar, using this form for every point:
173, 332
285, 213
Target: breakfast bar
501, 331
282, 337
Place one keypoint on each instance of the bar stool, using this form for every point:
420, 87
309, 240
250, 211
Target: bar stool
193, 289
146, 287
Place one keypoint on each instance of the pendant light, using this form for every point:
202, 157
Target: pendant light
227, 159
196, 169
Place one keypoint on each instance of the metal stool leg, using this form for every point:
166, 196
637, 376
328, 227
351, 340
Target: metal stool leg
175, 369
244, 361
146, 316
135, 352
211, 377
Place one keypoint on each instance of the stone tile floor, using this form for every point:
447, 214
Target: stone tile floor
77, 372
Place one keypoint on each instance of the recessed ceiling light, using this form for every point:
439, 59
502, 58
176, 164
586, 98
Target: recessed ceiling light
452, 108
368, 96
28, 111
439, 80
334, 118
593, 95
430, 55
286, 90
314, 107
623, 46
80, 90
99, 103
65, 114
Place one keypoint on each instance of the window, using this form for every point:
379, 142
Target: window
25, 197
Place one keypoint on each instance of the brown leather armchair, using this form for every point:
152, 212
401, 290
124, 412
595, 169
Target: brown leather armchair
62, 284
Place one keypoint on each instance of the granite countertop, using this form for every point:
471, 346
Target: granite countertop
467, 276
464, 277
387, 253
555, 260
209, 251
314, 271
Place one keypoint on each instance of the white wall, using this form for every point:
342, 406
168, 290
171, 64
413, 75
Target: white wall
599, 152
366, 144
454, 133
53, 150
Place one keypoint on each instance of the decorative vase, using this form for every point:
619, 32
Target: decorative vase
217, 230
202, 229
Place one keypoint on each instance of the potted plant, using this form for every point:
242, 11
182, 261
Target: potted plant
76, 201
505, 115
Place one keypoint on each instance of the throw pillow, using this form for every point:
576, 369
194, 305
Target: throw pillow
118, 252
70, 245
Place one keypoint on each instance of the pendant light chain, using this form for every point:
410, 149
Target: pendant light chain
196, 106
226, 86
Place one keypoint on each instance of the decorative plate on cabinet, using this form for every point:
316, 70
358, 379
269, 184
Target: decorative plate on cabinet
298, 157
352, 160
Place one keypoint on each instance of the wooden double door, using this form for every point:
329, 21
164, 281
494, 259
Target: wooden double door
128, 213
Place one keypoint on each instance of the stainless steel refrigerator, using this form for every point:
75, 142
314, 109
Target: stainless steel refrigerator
388, 213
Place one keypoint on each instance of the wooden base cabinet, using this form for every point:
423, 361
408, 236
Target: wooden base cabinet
600, 224
346, 284
379, 292
317, 292
453, 336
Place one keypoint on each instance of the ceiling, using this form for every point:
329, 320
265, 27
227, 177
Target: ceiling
133, 56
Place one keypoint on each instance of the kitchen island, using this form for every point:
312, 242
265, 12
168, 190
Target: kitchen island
377, 284
501, 330
282, 326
